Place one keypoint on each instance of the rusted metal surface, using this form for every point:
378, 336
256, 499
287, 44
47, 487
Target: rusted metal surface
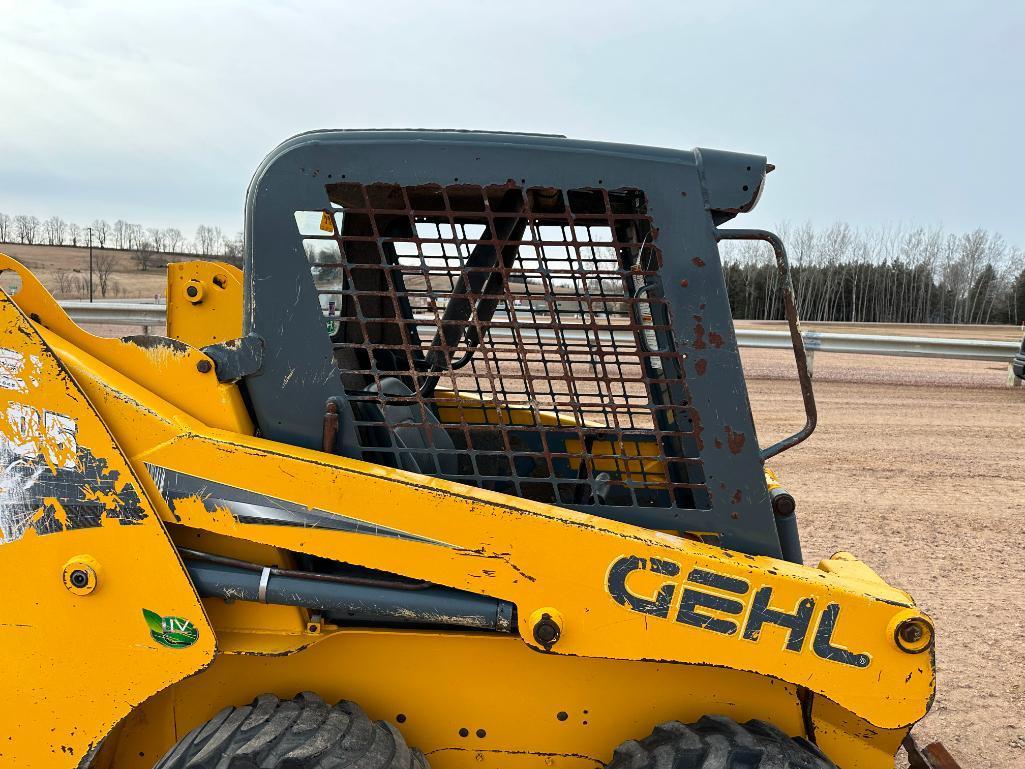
330, 426
796, 339
932, 756
533, 315
531, 320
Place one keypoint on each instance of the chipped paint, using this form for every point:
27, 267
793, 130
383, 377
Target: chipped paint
248, 507
12, 369
699, 334
689, 602
48, 481
734, 440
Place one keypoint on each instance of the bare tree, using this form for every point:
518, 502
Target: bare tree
74, 234
117, 233
155, 238
101, 231
78, 284
26, 229
5, 228
884, 275
63, 281
54, 229
144, 254
172, 239
205, 239
133, 235
233, 249
1016, 294
104, 266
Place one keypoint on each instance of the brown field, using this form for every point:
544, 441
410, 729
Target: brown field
126, 280
918, 467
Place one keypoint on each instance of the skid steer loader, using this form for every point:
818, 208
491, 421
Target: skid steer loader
459, 470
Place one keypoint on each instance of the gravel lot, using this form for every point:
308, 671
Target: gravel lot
918, 467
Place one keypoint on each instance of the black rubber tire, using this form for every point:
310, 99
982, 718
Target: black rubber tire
716, 742
301, 733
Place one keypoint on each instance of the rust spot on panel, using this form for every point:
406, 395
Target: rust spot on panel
698, 261
737, 496
699, 334
735, 440
701, 365
698, 430
718, 443
716, 339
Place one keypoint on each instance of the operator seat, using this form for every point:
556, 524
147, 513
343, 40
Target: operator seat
420, 443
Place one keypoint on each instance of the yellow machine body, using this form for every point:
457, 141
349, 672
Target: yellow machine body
92, 682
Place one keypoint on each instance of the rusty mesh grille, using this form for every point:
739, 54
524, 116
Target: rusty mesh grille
515, 339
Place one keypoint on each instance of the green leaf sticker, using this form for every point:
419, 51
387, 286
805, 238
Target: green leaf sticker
172, 632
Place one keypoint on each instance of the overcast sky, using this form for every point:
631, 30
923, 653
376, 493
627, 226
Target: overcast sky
878, 113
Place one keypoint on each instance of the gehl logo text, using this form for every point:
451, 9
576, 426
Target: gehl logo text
707, 600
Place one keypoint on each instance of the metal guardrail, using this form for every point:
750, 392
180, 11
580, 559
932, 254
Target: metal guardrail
153, 315
116, 313
872, 344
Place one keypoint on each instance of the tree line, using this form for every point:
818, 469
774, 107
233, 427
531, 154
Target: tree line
840, 273
145, 244
887, 275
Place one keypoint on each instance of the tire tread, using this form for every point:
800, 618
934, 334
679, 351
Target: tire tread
301, 733
717, 742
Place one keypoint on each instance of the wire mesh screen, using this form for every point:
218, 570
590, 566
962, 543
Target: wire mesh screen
513, 338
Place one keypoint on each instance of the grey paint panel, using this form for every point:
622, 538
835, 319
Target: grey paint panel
688, 193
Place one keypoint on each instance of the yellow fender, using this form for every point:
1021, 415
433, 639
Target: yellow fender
98, 612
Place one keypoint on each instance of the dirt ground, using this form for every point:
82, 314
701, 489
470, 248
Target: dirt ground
918, 467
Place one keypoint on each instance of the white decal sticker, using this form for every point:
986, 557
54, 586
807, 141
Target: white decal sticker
31, 444
12, 363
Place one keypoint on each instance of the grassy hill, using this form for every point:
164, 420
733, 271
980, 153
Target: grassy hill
64, 270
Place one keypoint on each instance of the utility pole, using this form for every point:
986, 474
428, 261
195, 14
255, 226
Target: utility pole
90, 263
